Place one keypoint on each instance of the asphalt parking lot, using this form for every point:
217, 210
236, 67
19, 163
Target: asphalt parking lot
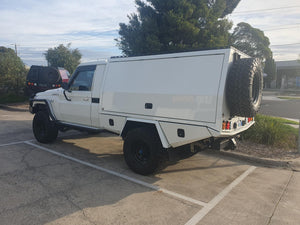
83, 179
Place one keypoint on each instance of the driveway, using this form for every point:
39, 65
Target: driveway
274, 106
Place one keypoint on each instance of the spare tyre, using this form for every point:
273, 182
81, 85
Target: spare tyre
244, 87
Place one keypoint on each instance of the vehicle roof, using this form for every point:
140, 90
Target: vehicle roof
161, 56
171, 55
99, 62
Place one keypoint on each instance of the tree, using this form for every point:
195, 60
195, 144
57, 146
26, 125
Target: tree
63, 56
251, 41
271, 71
12, 72
176, 25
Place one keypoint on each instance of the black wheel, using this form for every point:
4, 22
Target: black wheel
44, 130
244, 87
143, 151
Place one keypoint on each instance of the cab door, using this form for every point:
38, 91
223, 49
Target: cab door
75, 106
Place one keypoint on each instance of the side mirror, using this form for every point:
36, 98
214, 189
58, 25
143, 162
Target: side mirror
65, 86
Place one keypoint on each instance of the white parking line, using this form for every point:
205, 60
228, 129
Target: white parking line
206, 209
125, 177
13, 143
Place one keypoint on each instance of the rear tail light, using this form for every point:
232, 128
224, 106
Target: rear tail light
228, 125
31, 84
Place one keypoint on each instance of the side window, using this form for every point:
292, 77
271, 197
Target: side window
33, 75
53, 77
83, 81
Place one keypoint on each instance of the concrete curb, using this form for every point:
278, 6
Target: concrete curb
13, 108
293, 164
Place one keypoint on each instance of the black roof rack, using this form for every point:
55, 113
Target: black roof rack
118, 57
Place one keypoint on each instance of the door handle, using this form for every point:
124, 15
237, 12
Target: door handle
85, 99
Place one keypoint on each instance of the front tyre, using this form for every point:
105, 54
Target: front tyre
143, 150
44, 130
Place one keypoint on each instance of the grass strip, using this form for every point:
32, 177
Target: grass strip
288, 98
286, 121
272, 131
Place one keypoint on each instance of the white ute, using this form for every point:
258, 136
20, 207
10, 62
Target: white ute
156, 102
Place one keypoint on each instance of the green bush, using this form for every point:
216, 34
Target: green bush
12, 73
12, 98
272, 131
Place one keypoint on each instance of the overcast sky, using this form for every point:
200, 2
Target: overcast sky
92, 25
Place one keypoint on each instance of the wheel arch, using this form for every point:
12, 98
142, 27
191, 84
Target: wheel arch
37, 105
138, 123
44, 130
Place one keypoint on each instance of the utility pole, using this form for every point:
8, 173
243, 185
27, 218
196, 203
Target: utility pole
299, 138
16, 50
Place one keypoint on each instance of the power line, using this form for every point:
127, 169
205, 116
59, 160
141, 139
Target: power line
283, 25
263, 10
290, 44
283, 28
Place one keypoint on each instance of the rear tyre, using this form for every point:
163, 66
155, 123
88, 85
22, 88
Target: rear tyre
44, 130
143, 151
244, 87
